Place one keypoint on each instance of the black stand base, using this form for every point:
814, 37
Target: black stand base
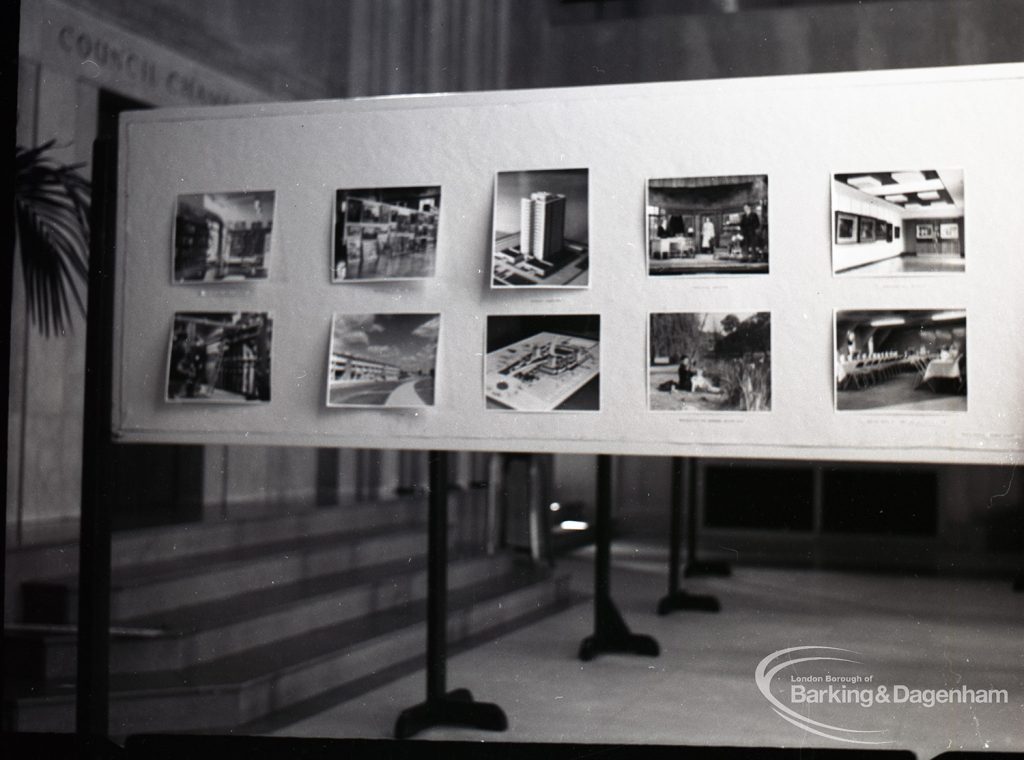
456, 708
612, 635
680, 601
1018, 585
702, 568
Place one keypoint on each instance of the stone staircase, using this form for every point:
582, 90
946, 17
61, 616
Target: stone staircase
219, 625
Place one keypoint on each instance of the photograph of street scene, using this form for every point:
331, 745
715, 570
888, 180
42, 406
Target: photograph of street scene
385, 233
220, 357
541, 229
710, 362
383, 360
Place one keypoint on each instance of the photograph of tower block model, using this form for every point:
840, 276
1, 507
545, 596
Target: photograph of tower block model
541, 229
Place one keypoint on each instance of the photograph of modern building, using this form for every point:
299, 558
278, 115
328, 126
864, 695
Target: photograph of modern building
909, 360
710, 362
707, 225
383, 360
220, 357
541, 229
898, 222
223, 237
542, 363
385, 233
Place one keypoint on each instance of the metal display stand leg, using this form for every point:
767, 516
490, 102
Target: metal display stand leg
677, 599
611, 634
442, 707
695, 567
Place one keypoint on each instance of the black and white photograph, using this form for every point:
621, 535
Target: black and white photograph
541, 229
385, 233
449, 379
898, 222
383, 360
220, 357
901, 360
223, 237
710, 362
707, 225
543, 363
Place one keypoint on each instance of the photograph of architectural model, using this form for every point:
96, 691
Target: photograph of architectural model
541, 229
543, 363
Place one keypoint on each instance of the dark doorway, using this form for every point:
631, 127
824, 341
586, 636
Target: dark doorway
151, 485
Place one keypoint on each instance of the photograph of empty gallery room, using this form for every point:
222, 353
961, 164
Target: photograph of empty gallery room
383, 360
541, 229
220, 357
710, 362
707, 225
909, 360
898, 222
223, 237
385, 233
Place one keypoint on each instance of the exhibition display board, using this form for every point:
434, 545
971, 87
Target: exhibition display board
644, 269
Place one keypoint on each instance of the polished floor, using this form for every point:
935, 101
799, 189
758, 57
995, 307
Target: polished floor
903, 393
923, 632
928, 264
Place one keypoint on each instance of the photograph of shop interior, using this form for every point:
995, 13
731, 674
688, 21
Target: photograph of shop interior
710, 362
385, 233
898, 222
707, 225
383, 360
541, 228
223, 237
910, 360
220, 357
542, 363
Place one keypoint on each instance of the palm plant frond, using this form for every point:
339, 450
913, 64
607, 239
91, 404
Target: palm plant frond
51, 216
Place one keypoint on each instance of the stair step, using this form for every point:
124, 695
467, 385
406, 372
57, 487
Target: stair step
144, 546
245, 686
158, 587
202, 632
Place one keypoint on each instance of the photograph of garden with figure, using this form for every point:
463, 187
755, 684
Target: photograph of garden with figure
709, 362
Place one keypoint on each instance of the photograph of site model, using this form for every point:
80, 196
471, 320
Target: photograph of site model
541, 229
543, 362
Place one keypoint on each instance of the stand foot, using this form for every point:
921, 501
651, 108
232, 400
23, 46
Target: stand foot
456, 708
612, 635
702, 568
681, 601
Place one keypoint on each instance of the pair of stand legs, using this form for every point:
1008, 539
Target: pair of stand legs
442, 707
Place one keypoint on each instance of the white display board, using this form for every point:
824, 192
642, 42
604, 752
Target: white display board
798, 131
